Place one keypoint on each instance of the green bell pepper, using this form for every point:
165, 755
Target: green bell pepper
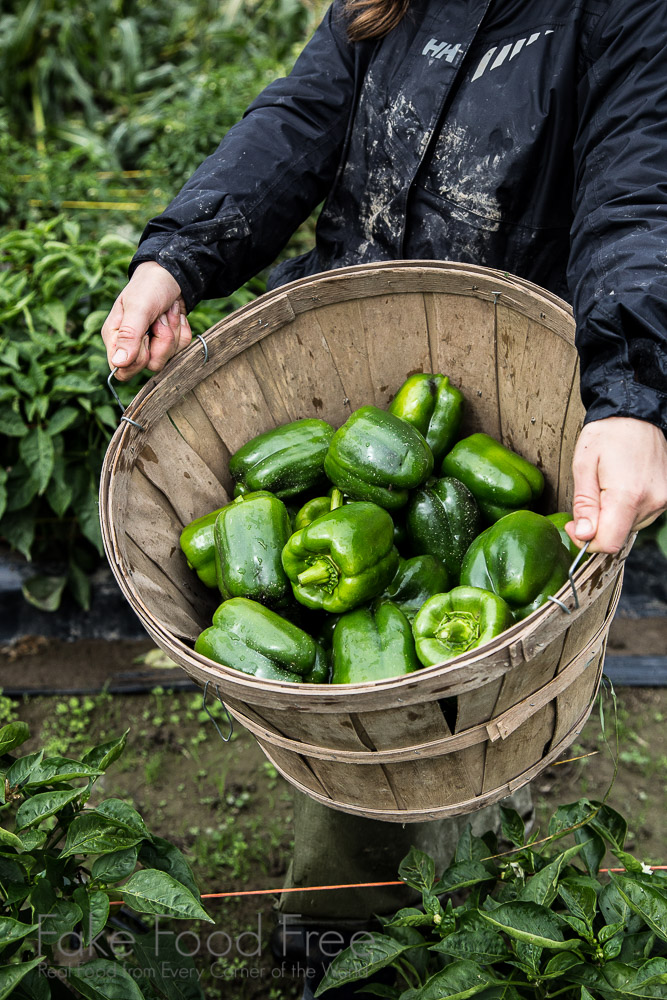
500, 480
415, 581
454, 623
317, 507
371, 644
249, 637
343, 558
250, 534
285, 460
442, 518
198, 545
377, 456
520, 558
434, 406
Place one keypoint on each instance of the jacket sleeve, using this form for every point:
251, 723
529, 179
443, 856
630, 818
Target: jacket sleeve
618, 262
271, 170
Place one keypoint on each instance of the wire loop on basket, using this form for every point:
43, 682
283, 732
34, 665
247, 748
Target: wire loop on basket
117, 398
204, 345
225, 739
572, 570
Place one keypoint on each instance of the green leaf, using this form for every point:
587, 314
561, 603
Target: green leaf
21, 487
56, 920
361, 960
417, 870
593, 848
88, 514
19, 530
459, 980
13, 735
610, 825
73, 384
580, 898
475, 940
567, 816
560, 964
53, 770
512, 826
615, 909
44, 804
543, 886
78, 582
3, 491
33, 840
629, 861
409, 916
23, 767
56, 316
10, 839
11, 421
119, 812
63, 418
162, 961
14, 930
649, 903
104, 754
11, 975
60, 491
115, 866
104, 980
531, 923
44, 592
469, 847
89, 833
152, 891
36, 450
638, 946
34, 986
461, 875
166, 857
94, 906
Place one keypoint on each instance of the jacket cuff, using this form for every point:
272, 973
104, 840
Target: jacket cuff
172, 254
623, 397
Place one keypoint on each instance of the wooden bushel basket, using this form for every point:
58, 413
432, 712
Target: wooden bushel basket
445, 740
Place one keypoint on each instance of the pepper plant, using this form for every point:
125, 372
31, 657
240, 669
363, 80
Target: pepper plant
66, 857
527, 924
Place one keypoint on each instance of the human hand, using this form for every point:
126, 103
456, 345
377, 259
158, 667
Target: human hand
620, 481
147, 324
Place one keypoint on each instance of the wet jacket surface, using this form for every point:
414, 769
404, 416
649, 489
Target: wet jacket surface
526, 137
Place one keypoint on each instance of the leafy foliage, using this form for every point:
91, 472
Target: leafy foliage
56, 413
532, 925
60, 872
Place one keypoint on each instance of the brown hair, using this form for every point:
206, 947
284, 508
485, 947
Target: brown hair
373, 18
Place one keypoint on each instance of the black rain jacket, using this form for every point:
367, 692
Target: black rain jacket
530, 137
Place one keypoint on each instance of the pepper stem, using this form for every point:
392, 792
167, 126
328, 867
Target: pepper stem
459, 630
318, 572
336, 499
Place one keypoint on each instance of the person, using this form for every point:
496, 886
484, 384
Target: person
525, 137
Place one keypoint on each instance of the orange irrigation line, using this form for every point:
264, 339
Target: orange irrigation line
348, 885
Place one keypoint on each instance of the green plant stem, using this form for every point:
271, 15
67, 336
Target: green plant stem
408, 971
38, 116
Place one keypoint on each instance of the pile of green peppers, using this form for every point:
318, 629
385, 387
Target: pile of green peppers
370, 551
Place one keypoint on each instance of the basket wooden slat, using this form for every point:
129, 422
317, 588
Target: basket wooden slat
447, 739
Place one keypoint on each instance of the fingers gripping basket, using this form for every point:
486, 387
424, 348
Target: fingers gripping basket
447, 739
